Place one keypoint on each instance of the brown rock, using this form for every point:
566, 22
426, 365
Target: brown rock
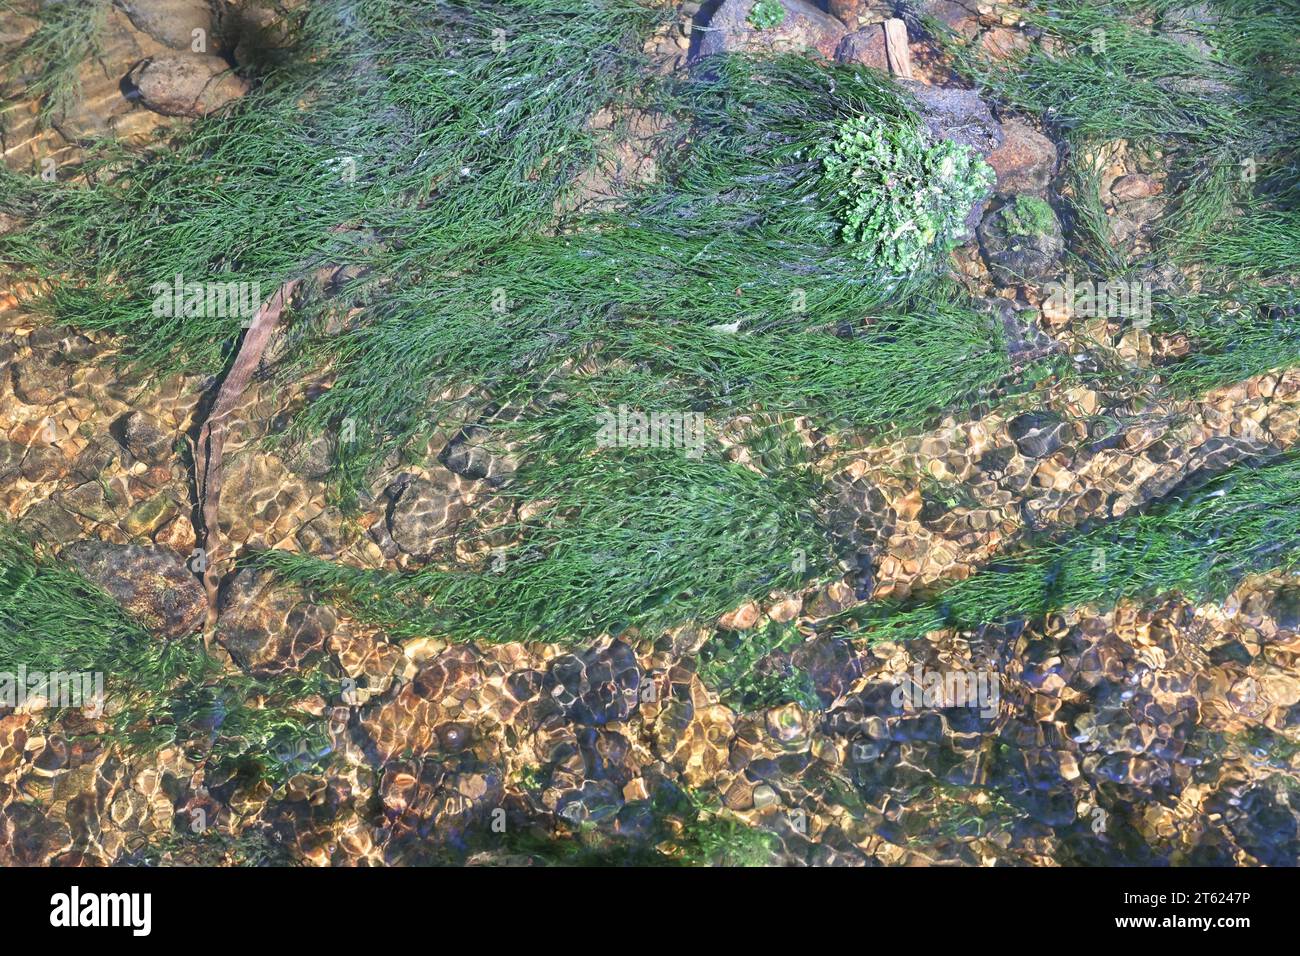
961, 15
1133, 186
836, 597
270, 629
177, 534
98, 109
786, 609
187, 84
739, 796
1001, 43
849, 12
173, 22
98, 501
11, 458
636, 789
865, 48
427, 515
49, 522
255, 30
741, 619
1123, 230
149, 515
258, 493
151, 584
101, 457
16, 27
44, 463
39, 381
1025, 162
146, 439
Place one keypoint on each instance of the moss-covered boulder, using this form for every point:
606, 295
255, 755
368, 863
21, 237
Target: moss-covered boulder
752, 26
1022, 240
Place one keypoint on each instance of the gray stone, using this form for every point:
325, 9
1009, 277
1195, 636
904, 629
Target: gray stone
957, 115
962, 117
1037, 434
474, 455
1014, 258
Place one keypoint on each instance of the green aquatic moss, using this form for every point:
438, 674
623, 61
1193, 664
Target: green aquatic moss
46, 64
725, 285
1210, 96
1196, 544
643, 537
1234, 334
398, 138
1028, 216
903, 198
159, 693
255, 846
766, 14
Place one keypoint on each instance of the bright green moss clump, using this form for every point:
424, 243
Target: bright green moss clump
766, 14
904, 198
1028, 216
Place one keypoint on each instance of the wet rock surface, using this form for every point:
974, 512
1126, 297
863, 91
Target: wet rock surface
1025, 162
1095, 712
269, 629
427, 513
179, 24
186, 84
154, 586
1016, 253
146, 439
101, 108
958, 115
865, 48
